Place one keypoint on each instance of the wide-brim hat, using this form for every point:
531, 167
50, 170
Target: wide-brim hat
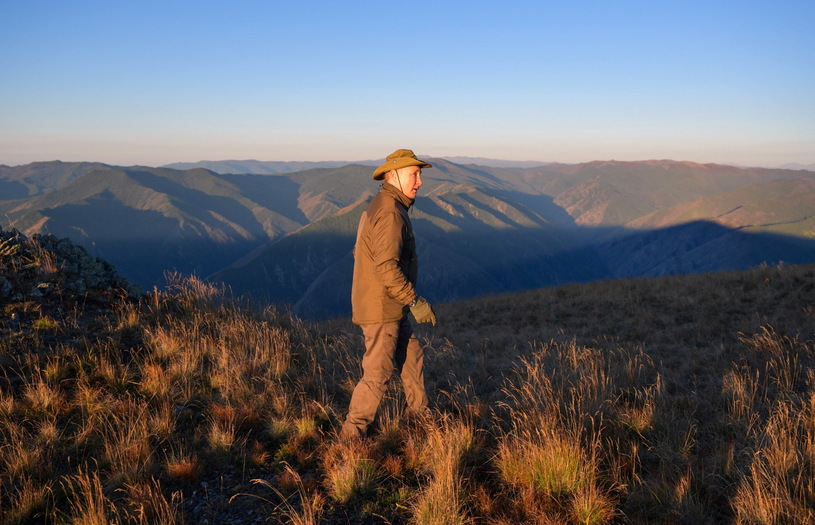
401, 158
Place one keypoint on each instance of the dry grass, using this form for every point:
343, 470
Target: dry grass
685, 399
442, 499
181, 465
18, 457
87, 502
28, 500
309, 509
350, 470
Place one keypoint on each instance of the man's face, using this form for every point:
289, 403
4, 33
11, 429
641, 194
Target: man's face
409, 180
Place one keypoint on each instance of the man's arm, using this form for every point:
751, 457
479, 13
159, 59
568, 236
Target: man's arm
386, 240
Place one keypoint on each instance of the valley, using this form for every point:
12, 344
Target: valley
286, 237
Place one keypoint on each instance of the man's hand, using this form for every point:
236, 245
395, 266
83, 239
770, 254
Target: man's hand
422, 311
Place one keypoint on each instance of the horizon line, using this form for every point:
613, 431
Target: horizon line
793, 165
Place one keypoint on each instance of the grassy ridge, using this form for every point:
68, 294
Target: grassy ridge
682, 399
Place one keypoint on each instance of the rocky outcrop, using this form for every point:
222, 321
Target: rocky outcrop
45, 265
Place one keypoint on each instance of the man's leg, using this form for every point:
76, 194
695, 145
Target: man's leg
410, 363
377, 368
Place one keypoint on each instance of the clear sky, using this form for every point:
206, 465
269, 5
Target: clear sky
154, 82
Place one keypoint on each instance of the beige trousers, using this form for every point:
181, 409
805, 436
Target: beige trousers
388, 347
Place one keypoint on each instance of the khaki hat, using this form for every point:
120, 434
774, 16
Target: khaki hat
401, 158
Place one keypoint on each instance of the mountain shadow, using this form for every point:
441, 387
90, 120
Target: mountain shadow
126, 238
699, 247
288, 239
273, 192
12, 190
312, 273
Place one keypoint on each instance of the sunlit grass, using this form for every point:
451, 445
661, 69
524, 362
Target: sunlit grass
29, 500
550, 465
445, 448
87, 502
46, 324
349, 471
683, 400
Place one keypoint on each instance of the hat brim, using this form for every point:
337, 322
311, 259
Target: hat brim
395, 164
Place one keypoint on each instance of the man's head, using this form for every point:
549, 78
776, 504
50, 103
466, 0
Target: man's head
408, 180
403, 170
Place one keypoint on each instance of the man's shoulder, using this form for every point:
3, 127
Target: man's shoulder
383, 203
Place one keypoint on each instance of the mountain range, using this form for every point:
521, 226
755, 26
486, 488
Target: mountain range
272, 167
259, 167
285, 233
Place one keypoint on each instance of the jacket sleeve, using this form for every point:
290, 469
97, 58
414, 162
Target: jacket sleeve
387, 239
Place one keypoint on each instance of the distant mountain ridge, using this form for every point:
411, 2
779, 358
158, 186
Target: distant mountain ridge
258, 167
41, 177
798, 166
497, 163
287, 237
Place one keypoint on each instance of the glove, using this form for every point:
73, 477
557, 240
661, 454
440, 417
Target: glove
422, 311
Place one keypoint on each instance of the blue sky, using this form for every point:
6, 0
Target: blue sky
154, 82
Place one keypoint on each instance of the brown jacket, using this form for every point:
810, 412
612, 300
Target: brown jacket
385, 263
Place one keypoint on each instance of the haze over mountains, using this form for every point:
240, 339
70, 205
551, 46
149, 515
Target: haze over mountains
287, 236
267, 167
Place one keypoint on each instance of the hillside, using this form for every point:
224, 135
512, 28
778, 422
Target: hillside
614, 193
41, 177
781, 206
484, 230
311, 268
682, 399
286, 238
148, 221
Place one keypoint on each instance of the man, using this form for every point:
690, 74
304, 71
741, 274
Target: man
384, 290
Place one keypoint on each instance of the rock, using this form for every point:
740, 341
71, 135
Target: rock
78, 286
64, 266
6, 288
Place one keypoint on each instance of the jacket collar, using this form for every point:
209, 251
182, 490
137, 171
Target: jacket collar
397, 194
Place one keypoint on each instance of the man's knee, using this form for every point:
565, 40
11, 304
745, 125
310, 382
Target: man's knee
376, 385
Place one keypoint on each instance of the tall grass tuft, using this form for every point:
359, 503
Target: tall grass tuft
148, 504
591, 506
557, 401
546, 463
87, 502
779, 486
442, 500
44, 399
7, 404
350, 470
20, 460
30, 501
182, 465
311, 503
127, 449
222, 435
